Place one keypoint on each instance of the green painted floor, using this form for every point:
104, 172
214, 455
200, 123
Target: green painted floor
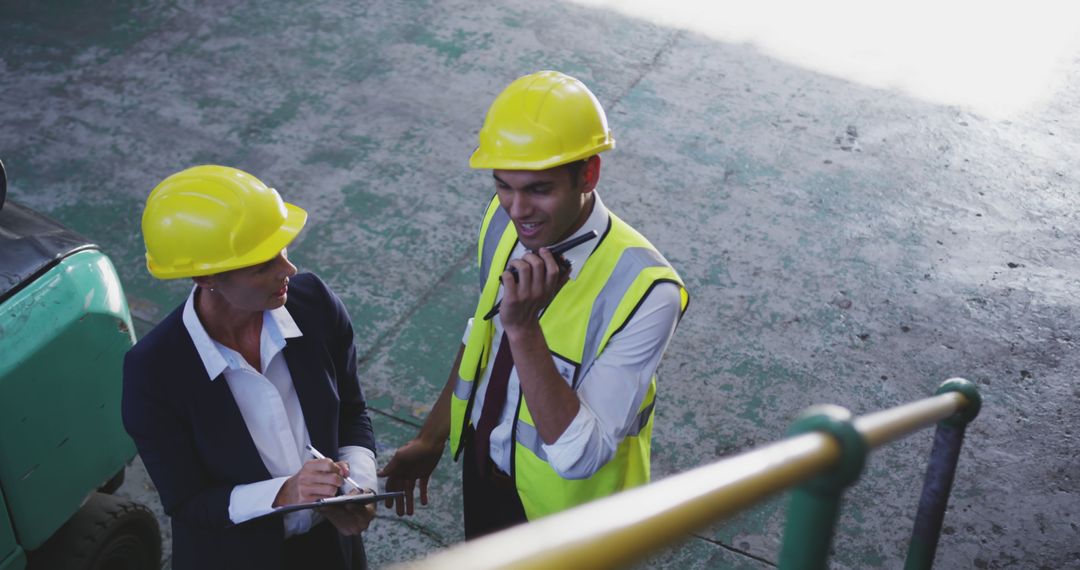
843, 243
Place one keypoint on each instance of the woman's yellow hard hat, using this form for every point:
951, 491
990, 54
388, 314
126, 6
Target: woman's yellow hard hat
209, 219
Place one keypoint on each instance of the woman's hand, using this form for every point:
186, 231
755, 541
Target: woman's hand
317, 479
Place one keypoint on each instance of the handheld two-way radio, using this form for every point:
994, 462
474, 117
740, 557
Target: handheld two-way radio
557, 251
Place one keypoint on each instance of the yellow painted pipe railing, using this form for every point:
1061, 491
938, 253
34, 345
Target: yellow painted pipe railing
627, 527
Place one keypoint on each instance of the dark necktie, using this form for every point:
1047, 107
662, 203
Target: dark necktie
494, 400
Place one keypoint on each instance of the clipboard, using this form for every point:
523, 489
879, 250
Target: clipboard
359, 499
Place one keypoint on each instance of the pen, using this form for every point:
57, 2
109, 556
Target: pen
554, 250
318, 455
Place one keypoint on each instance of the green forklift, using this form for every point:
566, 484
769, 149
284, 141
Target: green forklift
64, 329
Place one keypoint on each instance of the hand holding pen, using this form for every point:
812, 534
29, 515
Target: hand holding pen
555, 250
315, 453
349, 520
317, 479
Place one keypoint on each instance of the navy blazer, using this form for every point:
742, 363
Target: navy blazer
196, 446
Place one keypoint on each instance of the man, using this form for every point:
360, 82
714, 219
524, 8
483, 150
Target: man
552, 399
224, 395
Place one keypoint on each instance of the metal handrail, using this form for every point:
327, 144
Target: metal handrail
626, 527
890, 425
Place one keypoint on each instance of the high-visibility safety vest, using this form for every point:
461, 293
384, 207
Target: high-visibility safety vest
577, 325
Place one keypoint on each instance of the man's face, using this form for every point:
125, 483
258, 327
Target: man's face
259, 287
546, 206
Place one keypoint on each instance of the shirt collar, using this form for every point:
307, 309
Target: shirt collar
278, 325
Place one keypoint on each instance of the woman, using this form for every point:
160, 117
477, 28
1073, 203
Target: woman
224, 394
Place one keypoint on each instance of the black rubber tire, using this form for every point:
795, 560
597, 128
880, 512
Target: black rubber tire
107, 533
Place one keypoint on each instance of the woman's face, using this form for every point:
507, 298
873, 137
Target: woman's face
257, 288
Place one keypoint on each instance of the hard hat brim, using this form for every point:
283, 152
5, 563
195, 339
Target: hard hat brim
295, 220
482, 160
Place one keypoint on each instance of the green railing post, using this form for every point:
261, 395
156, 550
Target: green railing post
815, 505
937, 484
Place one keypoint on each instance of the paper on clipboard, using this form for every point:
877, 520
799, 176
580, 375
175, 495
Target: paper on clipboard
359, 499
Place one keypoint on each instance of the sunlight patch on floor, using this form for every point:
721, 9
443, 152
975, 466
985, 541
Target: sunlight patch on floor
995, 58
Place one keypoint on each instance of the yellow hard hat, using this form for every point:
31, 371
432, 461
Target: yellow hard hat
540, 121
209, 219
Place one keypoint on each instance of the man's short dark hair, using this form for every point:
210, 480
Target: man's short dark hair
575, 168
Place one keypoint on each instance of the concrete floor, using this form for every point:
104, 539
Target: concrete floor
843, 243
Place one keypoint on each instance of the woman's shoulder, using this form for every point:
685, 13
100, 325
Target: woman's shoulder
306, 280
310, 296
308, 288
163, 335
160, 353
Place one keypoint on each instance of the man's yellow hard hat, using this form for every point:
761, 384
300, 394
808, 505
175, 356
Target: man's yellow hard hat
539, 121
209, 219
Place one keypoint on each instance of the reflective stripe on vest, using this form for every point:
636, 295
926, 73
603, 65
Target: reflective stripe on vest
495, 227
462, 388
495, 241
530, 438
630, 264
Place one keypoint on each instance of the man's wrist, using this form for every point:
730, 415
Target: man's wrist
524, 332
432, 440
